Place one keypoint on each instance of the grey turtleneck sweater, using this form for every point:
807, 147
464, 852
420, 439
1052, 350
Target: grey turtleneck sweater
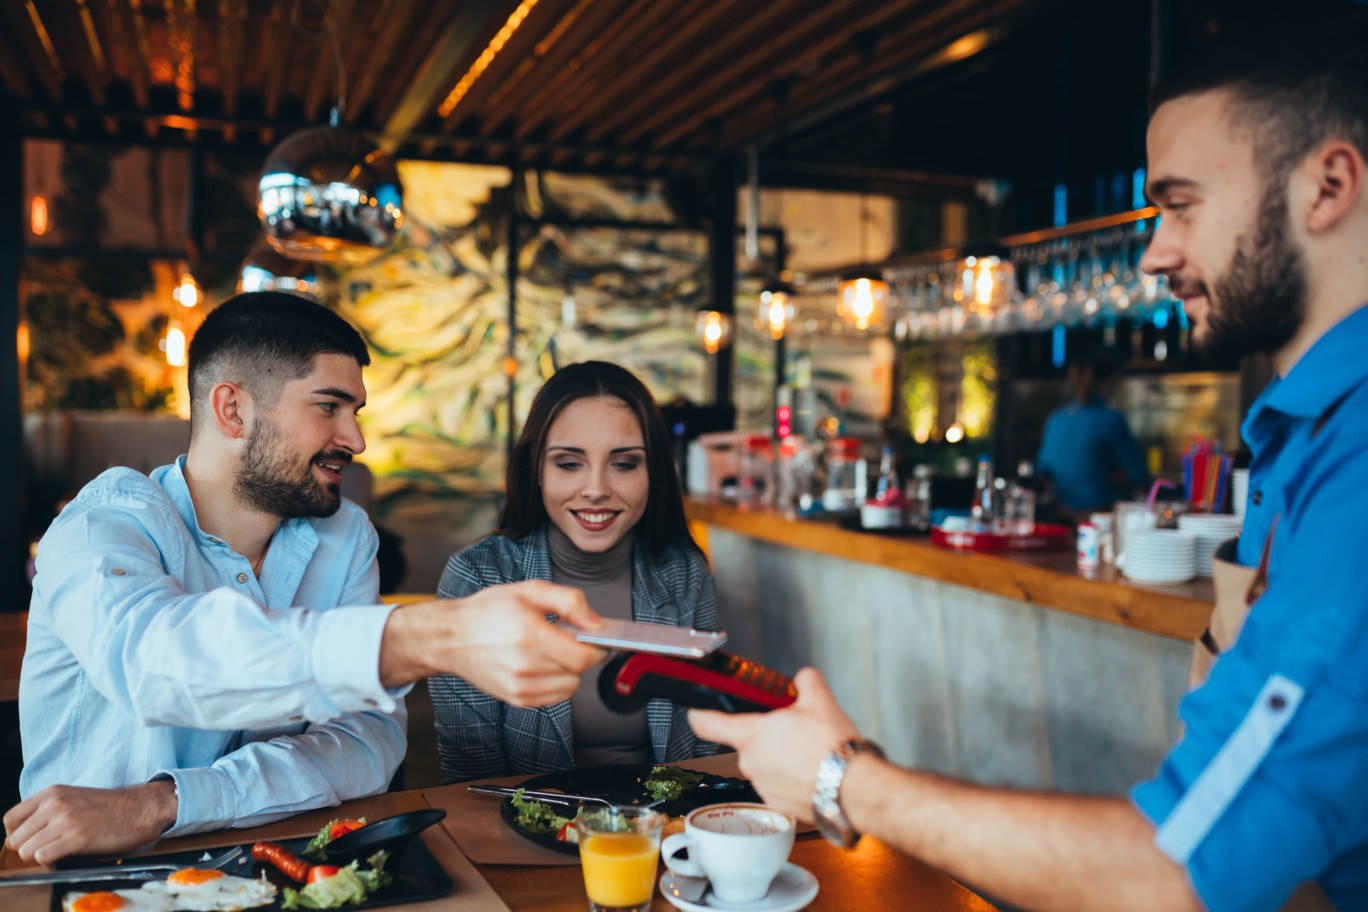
602, 737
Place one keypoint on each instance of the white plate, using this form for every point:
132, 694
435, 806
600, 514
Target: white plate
793, 888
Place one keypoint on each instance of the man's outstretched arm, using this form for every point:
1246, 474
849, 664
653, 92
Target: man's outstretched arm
1039, 851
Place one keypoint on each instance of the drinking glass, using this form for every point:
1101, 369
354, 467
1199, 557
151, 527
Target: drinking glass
619, 848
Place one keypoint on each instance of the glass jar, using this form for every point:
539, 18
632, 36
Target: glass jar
757, 468
844, 467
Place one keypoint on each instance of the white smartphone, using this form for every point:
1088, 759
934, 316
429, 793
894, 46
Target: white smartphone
635, 636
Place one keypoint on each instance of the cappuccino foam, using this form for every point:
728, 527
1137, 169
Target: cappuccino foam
741, 822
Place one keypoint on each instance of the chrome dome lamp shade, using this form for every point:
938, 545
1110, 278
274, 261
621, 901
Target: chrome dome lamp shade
330, 196
266, 269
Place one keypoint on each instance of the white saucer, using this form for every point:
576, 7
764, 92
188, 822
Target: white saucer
793, 888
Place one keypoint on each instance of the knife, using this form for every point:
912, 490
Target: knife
75, 875
550, 797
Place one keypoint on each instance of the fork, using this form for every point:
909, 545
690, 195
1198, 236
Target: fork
117, 872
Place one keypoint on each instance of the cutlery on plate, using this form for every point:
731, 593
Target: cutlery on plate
549, 797
115, 872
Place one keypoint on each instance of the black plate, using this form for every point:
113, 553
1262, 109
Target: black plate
417, 875
392, 834
622, 785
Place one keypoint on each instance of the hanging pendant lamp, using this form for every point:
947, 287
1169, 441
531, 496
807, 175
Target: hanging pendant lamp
330, 195
776, 308
266, 269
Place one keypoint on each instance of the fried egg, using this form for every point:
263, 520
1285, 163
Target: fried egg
118, 901
200, 890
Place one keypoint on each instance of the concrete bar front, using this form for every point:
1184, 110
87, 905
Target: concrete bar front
1011, 671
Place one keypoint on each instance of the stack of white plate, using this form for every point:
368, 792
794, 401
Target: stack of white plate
1160, 556
1239, 491
1209, 530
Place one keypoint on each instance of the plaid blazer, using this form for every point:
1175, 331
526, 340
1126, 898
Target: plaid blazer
479, 736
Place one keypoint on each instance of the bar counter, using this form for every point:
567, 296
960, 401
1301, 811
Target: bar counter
1007, 670
1050, 578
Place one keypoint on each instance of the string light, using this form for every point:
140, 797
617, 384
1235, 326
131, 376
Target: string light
486, 57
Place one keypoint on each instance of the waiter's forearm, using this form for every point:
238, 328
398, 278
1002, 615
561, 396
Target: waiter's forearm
1100, 851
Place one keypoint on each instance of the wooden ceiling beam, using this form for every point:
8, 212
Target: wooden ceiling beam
121, 45
37, 45
324, 76
957, 33
182, 26
279, 53
94, 63
541, 19
585, 25
800, 47
428, 33
613, 48
12, 71
447, 57
716, 16
757, 44
377, 58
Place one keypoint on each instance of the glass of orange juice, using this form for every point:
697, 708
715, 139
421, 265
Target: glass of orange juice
619, 848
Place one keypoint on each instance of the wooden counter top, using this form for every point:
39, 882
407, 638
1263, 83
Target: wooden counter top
1050, 579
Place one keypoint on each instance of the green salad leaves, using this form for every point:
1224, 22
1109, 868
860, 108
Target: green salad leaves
536, 817
349, 886
669, 782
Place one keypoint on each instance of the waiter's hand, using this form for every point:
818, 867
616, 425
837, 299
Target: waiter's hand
497, 639
64, 820
780, 751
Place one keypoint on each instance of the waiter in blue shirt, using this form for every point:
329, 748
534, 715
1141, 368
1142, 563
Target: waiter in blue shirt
1087, 443
205, 647
1258, 153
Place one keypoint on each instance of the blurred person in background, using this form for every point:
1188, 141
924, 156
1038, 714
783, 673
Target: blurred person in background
593, 501
1088, 446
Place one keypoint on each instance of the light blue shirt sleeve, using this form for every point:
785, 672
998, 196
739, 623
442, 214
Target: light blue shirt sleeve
276, 775
204, 660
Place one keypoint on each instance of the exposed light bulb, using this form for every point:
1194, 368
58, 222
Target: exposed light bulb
38, 216
954, 433
175, 347
187, 293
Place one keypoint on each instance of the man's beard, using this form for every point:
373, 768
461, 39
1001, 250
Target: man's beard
267, 481
1260, 300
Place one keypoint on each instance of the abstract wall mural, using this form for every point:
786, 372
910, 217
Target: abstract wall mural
434, 310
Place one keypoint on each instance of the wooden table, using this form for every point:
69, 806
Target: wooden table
13, 637
871, 876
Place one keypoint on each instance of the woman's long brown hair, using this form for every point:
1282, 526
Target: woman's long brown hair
663, 522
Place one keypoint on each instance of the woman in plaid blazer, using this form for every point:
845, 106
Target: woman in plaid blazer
590, 477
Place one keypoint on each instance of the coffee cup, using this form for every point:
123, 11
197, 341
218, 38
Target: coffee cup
739, 848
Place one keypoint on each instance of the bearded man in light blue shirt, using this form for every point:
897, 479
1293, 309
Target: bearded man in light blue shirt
205, 647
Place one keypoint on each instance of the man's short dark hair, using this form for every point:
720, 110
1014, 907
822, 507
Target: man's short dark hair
262, 339
1296, 80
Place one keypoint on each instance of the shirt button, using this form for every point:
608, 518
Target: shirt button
1258, 498
371, 703
1277, 702
296, 718
242, 577
118, 571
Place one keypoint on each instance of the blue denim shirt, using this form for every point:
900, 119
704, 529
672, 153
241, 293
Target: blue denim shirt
154, 651
1269, 786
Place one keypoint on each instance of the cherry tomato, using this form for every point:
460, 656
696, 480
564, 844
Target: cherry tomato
342, 827
321, 872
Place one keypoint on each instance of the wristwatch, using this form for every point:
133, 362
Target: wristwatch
830, 817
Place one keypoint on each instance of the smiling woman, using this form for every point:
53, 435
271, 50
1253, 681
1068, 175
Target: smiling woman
593, 502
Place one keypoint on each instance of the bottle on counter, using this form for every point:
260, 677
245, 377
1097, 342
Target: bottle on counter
887, 482
845, 476
757, 466
918, 493
983, 511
